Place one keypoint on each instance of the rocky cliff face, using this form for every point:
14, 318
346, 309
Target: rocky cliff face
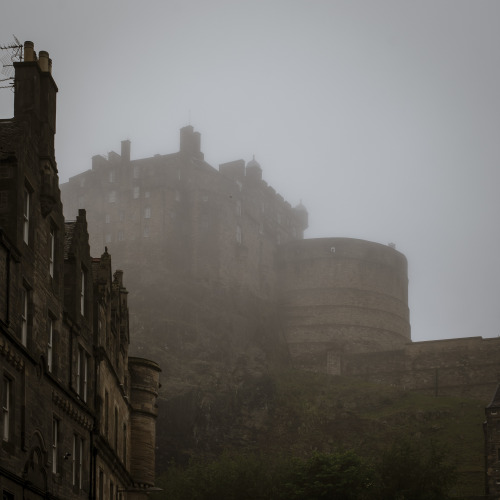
216, 349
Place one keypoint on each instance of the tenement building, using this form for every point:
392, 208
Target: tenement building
78, 414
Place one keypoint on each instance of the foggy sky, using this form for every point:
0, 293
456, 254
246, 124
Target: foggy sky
382, 116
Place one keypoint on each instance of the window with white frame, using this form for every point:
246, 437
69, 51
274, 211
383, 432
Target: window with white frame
50, 345
6, 409
83, 284
24, 316
136, 172
136, 191
125, 444
238, 208
82, 364
77, 465
107, 218
238, 234
26, 215
74, 461
52, 252
80, 463
112, 176
147, 213
55, 443
112, 197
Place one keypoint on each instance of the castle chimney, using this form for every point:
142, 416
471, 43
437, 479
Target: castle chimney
125, 151
190, 143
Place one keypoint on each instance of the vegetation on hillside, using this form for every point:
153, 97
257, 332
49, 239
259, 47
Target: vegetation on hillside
406, 471
306, 427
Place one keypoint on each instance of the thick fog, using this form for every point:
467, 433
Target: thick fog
383, 117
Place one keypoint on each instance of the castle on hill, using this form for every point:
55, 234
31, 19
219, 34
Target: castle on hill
186, 229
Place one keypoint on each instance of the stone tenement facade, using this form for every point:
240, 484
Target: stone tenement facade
492, 447
78, 414
180, 226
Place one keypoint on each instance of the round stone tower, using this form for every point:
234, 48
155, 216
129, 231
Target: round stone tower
144, 385
342, 295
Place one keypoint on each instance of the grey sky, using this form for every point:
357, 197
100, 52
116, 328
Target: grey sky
383, 117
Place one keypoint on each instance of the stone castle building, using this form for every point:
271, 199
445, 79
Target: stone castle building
342, 304
78, 413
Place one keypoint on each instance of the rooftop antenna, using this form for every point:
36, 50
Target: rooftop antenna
9, 54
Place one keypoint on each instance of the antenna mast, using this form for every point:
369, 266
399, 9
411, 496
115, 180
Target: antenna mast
9, 54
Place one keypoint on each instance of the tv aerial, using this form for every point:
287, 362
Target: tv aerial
9, 54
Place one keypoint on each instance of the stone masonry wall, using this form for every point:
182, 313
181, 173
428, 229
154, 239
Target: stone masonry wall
462, 367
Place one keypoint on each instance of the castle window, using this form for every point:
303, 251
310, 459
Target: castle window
120, 236
107, 218
52, 252
240, 185
112, 197
145, 232
82, 182
6, 407
238, 234
108, 238
55, 444
26, 215
147, 213
238, 208
112, 176
136, 172
111, 490
136, 191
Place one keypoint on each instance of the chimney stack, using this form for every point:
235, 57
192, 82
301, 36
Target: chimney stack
29, 51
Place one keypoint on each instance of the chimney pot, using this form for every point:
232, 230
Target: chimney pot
43, 61
29, 51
